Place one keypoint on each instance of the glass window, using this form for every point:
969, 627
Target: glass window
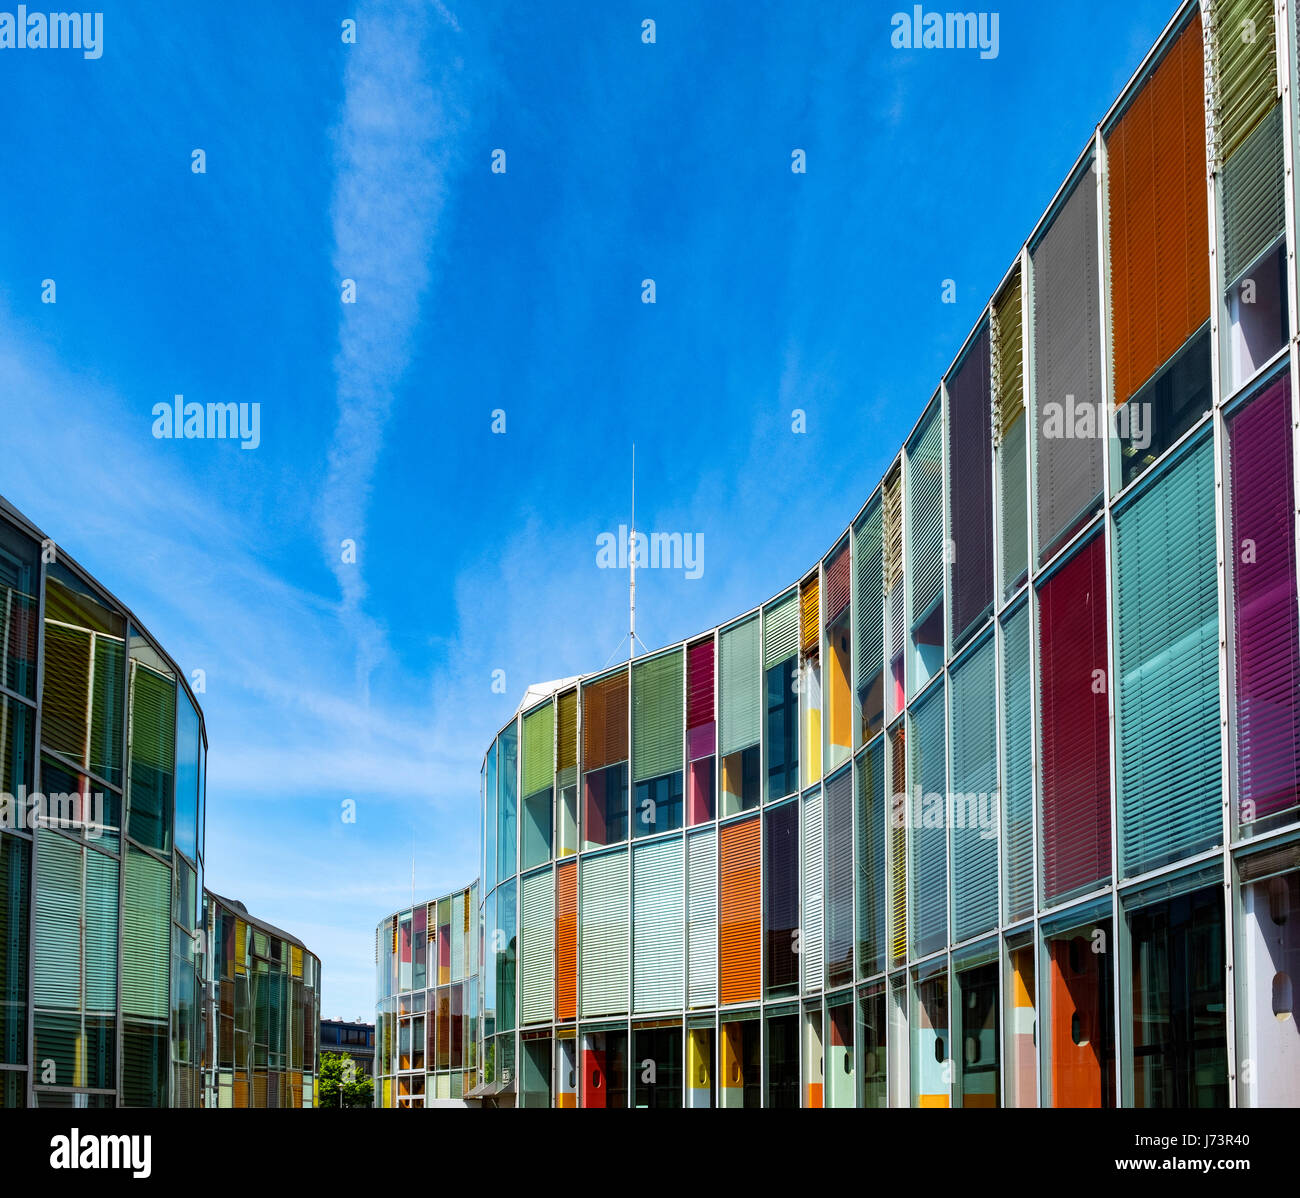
507, 815
659, 804
931, 1066
505, 957
840, 1088
1081, 1016
605, 806
1257, 318
873, 1044
977, 1062
658, 1065
83, 697
188, 828
782, 730
15, 888
740, 781
1165, 408
535, 1073
1180, 1048
741, 1069
536, 848
926, 554
1021, 1025
869, 884
701, 1090
814, 1080
1268, 976
782, 1060
19, 611
490, 819
781, 899
604, 1070
839, 693
567, 820
701, 790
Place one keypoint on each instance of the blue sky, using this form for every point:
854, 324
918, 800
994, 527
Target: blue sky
477, 291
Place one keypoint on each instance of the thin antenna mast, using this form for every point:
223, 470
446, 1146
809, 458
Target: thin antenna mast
631, 636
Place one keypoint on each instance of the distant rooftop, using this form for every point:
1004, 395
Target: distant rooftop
540, 690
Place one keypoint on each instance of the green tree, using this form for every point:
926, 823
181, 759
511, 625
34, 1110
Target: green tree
341, 1083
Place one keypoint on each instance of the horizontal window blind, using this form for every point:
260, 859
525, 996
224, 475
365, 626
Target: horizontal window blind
1018, 777
813, 919
566, 941
810, 635
1159, 268
970, 483
739, 699
739, 919
872, 815
699, 684
1067, 365
101, 933
146, 936
925, 515
537, 950
457, 962
839, 879
1007, 356
603, 935
868, 599
1243, 77
1007, 369
604, 722
1253, 187
153, 745
1074, 723
65, 694
1267, 667
897, 846
1014, 496
566, 747
1167, 653
702, 918
974, 794
56, 951
539, 749
837, 585
144, 1066
781, 630
658, 716
929, 841
658, 927
892, 526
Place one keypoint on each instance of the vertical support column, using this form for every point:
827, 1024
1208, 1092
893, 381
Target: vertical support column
1221, 536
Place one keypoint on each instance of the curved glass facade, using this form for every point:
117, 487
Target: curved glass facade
427, 972
103, 752
990, 806
263, 1014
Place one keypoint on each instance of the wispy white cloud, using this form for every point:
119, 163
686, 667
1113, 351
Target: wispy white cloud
394, 148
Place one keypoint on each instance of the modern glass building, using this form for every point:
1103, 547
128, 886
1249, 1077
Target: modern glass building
102, 750
261, 1012
353, 1039
997, 804
426, 1045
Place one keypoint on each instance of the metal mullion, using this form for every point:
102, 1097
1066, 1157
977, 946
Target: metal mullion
1109, 550
629, 1082
9, 693
1225, 664
33, 872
